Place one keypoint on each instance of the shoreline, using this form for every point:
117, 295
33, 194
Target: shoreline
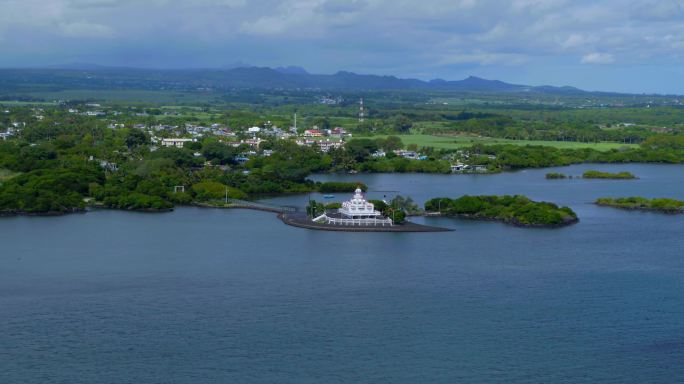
513, 223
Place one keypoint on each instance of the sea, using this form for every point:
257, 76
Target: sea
235, 296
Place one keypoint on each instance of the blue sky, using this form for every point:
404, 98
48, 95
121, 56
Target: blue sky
615, 45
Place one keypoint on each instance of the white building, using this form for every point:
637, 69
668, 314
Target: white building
178, 143
355, 212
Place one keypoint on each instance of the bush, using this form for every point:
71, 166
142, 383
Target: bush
554, 175
607, 175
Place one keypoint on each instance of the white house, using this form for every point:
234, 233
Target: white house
176, 142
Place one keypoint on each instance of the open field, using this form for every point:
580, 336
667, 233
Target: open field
12, 103
454, 142
118, 96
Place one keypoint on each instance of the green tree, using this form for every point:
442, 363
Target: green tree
135, 138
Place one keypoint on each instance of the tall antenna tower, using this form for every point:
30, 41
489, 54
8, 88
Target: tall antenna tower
295, 121
362, 113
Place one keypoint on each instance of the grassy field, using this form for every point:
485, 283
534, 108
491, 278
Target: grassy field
118, 96
454, 142
8, 103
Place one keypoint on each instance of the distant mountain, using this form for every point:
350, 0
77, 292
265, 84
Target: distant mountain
291, 70
236, 64
93, 76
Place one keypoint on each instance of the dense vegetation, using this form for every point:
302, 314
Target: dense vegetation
663, 205
591, 174
516, 210
556, 175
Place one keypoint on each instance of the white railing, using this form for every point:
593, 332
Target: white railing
358, 222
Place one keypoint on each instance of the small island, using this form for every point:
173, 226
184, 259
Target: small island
358, 215
608, 175
556, 175
515, 210
660, 205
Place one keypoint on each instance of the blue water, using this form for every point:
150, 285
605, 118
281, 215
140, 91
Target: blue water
223, 296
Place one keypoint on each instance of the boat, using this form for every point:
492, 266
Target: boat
328, 196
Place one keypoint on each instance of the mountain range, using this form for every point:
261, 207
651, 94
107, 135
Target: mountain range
97, 76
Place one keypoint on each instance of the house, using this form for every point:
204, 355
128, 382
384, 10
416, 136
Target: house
254, 130
241, 159
226, 132
253, 142
178, 143
327, 145
313, 133
106, 165
407, 154
338, 132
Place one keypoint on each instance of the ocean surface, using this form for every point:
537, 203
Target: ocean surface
235, 296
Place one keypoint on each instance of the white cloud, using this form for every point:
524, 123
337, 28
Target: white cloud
598, 58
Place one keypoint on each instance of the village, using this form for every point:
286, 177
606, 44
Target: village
248, 139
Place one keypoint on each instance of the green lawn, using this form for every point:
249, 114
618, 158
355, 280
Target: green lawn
453, 142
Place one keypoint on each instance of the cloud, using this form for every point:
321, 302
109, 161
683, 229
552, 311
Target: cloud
598, 58
382, 36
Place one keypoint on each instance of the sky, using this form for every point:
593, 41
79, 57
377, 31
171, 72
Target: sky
632, 46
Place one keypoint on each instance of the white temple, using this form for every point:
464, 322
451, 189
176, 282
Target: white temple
356, 211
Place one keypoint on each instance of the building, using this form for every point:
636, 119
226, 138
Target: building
178, 143
338, 132
355, 212
407, 154
313, 133
327, 145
